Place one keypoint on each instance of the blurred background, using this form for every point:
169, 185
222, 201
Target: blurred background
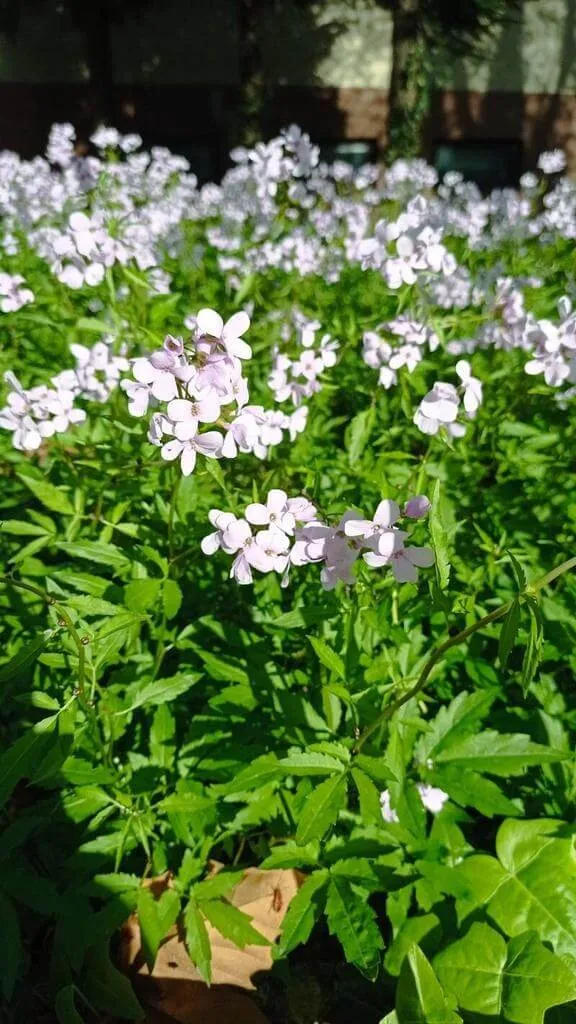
480, 86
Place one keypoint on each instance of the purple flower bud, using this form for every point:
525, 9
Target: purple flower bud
417, 507
175, 345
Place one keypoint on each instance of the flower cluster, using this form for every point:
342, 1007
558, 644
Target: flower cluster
297, 379
440, 407
554, 352
202, 383
380, 355
35, 414
291, 534
12, 295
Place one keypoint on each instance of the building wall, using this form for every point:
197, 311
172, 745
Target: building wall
328, 68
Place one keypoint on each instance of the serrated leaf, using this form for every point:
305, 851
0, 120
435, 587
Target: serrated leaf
304, 910
516, 982
232, 923
453, 722
533, 650
162, 732
263, 770
469, 789
53, 498
86, 604
25, 656
499, 754
353, 922
358, 434
79, 772
197, 941
321, 809
369, 797
508, 632
98, 552
219, 885
20, 760
156, 917
328, 657
172, 598
162, 690
140, 595
420, 998
310, 763
439, 539
376, 769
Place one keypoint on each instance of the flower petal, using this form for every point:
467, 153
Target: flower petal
210, 322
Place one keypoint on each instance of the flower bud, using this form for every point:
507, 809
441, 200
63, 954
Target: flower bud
417, 507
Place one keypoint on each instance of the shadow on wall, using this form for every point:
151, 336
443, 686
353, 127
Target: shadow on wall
519, 117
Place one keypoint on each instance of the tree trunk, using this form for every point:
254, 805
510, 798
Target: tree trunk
410, 84
251, 106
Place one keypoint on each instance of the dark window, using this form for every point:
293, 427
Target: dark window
490, 163
356, 152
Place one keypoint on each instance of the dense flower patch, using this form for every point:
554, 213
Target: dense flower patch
353, 391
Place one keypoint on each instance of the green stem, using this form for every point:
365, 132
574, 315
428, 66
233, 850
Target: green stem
454, 641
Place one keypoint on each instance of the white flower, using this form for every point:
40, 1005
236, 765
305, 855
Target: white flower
552, 161
432, 797
229, 334
208, 444
275, 512
472, 387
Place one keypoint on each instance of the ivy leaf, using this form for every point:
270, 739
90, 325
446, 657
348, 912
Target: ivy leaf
517, 981
508, 632
106, 988
232, 923
499, 754
439, 539
353, 922
532, 885
420, 998
197, 941
328, 657
321, 809
304, 910
66, 1011
53, 498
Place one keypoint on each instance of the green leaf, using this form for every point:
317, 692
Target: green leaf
518, 572
20, 760
156, 918
79, 772
508, 632
469, 789
358, 434
219, 885
233, 924
10, 947
86, 604
533, 650
413, 930
516, 982
172, 598
370, 809
140, 595
439, 538
310, 763
419, 997
18, 528
376, 768
162, 690
328, 657
65, 1008
453, 722
532, 885
25, 656
53, 498
499, 754
263, 770
106, 988
352, 921
322, 809
162, 732
304, 910
97, 552
197, 941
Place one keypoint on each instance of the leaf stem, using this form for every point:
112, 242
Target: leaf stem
454, 641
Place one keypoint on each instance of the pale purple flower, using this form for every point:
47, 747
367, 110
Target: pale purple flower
274, 513
472, 387
229, 335
417, 507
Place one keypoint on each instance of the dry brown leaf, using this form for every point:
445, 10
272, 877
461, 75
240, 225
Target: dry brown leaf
176, 988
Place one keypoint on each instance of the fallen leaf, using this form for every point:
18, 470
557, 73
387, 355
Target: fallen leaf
175, 987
